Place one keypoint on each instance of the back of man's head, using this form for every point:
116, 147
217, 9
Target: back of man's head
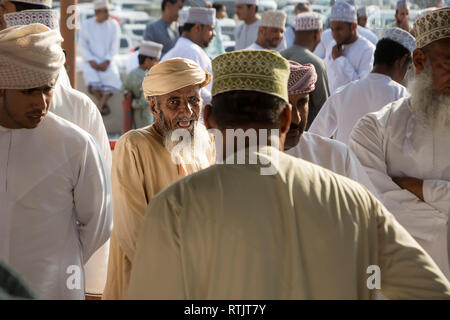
389, 51
21, 6
302, 7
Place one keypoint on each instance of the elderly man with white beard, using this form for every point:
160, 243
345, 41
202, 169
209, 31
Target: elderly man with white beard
146, 160
405, 146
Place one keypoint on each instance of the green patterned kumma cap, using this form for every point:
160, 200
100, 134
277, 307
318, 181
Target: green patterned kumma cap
252, 70
432, 26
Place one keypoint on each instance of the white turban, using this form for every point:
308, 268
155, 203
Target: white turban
172, 75
30, 56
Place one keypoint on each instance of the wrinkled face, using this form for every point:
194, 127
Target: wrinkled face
439, 57
102, 15
342, 31
242, 11
299, 119
272, 36
25, 109
207, 33
402, 15
178, 109
173, 9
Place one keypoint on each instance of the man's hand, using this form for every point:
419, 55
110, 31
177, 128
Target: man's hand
413, 185
337, 51
94, 65
104, 65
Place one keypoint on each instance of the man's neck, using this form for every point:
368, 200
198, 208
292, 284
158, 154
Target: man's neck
381, 69
191, 38
251, 20
261, 44
304, 43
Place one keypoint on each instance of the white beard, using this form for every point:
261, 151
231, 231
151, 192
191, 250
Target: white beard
194, 152
427, 106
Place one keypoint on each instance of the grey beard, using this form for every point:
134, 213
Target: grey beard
427, 106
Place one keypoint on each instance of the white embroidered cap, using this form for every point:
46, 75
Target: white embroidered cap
101, 4
47, 17
182, 17
273, 19
249, 2
150, 49
362, 12
308, 21
30, 56
343, 11
206, 16
402, 37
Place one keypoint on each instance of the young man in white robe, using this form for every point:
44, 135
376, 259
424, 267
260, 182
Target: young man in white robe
55, 191
198, 32
99, 44
270, 31
405, 146
327, 153
327, 36
78, 108
247, 32
270, 226
348, 57
339, 114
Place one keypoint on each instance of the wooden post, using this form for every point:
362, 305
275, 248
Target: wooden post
68, 28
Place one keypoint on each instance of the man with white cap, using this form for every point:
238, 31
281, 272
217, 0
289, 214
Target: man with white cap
270, 31
296, 231
327, 36
308, 146
405, 146
362, 16
300, 7
78, 108
348, 57
165, 30
153, 160
393, 57
54, 184
99, 44
401, 16
247, 32
149, 54
198, 31
308, 30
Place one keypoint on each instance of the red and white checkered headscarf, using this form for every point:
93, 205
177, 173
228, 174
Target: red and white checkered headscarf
302, 78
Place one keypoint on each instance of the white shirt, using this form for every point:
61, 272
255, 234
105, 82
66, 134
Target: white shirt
332, 155
246, 34
58, 208
132, 62
255, 46
356, 63
185, 48
289, 36
327, 38
351, 102
391, 143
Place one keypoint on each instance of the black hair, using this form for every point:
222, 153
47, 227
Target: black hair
142, 57
218, 6
250, 5
389, 51
302, 6
188, 26
164, 2
240, 107
20, 6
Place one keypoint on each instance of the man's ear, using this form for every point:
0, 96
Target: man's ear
153, 107
419, 60
285, 121
354, 26
208, 118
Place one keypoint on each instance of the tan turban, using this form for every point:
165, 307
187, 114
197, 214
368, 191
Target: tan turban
172, 75
30, 56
